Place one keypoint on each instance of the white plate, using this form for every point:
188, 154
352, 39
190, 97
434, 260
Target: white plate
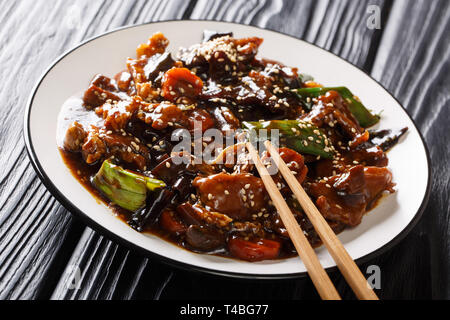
106, 54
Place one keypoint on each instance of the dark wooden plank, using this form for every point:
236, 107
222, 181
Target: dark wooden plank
37, 235
110, 271
414, 63
101, 269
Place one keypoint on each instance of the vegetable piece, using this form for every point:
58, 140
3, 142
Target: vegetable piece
298, 135
303, 77
158, 63
386, 139
365, 117
150, 213
125, 188
180, 82
254, 251
312, 84
204, 238
170, 223
211, 35
294, 162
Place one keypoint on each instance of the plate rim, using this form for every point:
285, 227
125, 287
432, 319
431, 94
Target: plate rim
73, 209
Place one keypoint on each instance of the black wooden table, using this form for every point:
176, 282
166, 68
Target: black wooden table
41, 243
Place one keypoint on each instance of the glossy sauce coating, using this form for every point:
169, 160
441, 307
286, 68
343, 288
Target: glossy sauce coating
211, 207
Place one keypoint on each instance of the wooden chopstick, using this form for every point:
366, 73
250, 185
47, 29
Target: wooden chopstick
345, 263
318, 275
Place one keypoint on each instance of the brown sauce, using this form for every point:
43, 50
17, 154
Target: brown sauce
83, 172
129, 119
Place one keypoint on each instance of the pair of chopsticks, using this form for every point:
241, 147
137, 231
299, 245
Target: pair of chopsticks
318, 275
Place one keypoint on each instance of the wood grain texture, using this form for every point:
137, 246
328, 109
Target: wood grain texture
413, 62
39, 240
101, 269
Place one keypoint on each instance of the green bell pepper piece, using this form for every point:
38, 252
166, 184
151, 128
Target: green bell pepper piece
298, 135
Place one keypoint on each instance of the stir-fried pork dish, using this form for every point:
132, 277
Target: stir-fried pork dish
118, 140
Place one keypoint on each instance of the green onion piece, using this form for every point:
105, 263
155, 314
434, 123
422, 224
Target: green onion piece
124, 188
